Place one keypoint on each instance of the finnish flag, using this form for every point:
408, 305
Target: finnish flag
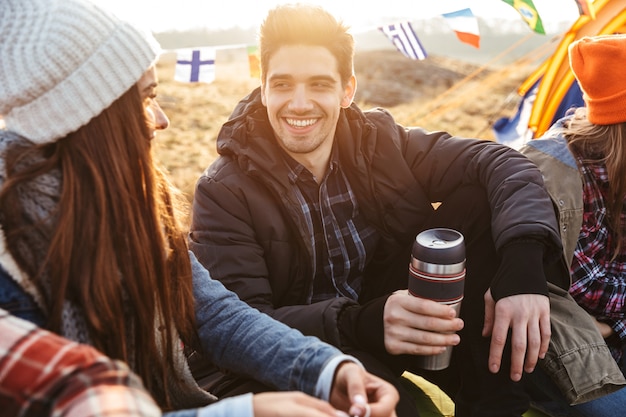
195, 65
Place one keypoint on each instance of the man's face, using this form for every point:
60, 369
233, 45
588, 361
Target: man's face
303, 94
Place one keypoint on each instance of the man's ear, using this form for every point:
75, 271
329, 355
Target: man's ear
348, 92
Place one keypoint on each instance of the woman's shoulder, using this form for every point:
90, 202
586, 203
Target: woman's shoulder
551, 146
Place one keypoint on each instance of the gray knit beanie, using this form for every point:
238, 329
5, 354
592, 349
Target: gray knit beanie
62, 62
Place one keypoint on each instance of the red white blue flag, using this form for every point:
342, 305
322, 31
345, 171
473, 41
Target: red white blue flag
465, 25
405, 40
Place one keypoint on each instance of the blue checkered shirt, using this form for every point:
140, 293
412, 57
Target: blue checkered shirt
340, 236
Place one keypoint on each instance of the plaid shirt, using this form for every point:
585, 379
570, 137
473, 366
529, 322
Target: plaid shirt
599, 283
42, 374
339, 234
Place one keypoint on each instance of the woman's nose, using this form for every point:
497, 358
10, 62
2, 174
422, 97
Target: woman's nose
161, 121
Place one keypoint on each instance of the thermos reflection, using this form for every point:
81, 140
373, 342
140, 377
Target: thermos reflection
437, 272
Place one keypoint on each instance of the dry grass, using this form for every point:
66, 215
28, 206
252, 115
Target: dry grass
436, 94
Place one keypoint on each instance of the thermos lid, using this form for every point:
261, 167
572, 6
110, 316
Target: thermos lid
439, 246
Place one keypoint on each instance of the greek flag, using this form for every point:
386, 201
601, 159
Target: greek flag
405, 40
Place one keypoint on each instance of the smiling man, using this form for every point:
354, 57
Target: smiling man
304, 94
311, 209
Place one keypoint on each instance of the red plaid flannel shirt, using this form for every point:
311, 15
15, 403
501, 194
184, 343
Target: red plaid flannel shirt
42, 374
598, 281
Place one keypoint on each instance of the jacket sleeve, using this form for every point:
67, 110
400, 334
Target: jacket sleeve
524, 223
519, 202
225, 238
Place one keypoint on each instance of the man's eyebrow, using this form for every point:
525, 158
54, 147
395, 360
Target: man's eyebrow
287, 76
323, 78
280, 76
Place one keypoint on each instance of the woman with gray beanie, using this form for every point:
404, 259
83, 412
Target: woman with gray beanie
90, 245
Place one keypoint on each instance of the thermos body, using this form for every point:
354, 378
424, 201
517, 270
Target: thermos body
437, 272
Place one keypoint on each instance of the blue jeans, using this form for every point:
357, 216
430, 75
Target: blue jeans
546, 397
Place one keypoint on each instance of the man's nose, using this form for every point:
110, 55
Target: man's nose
300, 98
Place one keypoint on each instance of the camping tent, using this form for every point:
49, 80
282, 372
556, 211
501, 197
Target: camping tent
552, 89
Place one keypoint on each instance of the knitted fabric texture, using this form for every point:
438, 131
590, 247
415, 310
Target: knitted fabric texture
597, 65
62, 62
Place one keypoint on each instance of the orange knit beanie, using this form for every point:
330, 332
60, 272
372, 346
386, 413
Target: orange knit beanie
597, 65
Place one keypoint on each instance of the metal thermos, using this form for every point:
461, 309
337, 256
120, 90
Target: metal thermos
437, 272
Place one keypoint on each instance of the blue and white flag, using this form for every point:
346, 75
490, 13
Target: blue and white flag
195, 65
514, 131
405, 40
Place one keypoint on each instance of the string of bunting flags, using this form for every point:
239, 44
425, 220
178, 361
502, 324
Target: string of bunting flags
198, 64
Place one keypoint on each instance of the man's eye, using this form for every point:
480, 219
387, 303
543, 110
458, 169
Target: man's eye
321, 85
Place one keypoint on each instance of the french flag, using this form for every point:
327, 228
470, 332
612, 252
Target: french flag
465, 25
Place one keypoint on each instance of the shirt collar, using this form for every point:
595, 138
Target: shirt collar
297, 171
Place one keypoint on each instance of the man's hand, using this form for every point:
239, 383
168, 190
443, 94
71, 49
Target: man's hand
528, 317
417, 326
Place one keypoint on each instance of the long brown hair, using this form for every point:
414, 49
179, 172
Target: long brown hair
114, 244
604, 144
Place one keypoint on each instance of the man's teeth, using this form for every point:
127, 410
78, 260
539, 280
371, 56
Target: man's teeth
300, 123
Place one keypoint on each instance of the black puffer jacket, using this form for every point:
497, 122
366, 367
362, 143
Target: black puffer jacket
247, 227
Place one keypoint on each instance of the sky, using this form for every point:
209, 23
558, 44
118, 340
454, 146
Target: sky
166, 15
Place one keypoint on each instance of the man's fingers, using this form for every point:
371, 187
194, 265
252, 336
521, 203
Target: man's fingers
417, 326
546, 333
527, 318
533, 346
499, 335
490, 312
519, 344
419, 342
